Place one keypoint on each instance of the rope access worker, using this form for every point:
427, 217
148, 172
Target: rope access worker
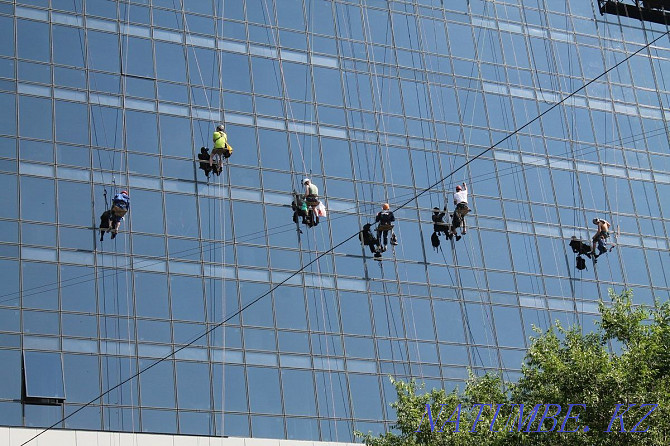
204, 164
312, 199
311, 191
221, 148
385, 218
368, 239
601, 236
120, 206
461, 203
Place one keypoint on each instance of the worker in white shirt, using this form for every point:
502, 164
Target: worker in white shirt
461, 203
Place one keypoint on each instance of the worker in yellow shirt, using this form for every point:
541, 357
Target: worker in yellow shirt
221, 148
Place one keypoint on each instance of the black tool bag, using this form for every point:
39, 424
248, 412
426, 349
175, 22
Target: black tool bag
435, 240
581, 263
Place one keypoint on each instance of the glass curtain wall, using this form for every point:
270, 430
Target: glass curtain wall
374, 101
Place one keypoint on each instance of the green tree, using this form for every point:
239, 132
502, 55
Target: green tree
562, 367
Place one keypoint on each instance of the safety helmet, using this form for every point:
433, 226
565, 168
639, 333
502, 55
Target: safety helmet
385, 206
436, 210
305, 181
124, 192
220, 127
459, 188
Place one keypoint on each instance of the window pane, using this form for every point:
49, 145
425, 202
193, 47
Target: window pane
448, 320
42, 416
508, 325
8, 121
366, 397
138, 57
9, 276
193, 385
141, 132
103, 50
328, 86
117, 369
157, 385
151, 295
33, 40
163, 421
74, 203
175, 136
71, 122
82, 380
37, 199
298, 402
267, 427
264, 390
43, 375
40, 285
265, 81
40, 322
33, 234
355, 313
195, 423
170, 62
302, 429
10, 374
35, 117
235, 68
235, 391
6, 36
187, 300
182, 213
78, 288
150, 218
68, 45
290, 308
274, 151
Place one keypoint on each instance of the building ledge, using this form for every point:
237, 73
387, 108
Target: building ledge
16, 436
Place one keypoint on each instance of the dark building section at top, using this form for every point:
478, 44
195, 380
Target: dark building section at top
646, 10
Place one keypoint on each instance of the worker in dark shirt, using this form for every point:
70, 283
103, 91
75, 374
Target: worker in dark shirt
385, 218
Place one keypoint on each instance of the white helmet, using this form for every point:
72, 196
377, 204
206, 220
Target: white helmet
305, 181
220, 128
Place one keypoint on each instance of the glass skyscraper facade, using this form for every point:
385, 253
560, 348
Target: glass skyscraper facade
374, 101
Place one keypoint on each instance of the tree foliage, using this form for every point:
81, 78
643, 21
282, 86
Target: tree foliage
625, 361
